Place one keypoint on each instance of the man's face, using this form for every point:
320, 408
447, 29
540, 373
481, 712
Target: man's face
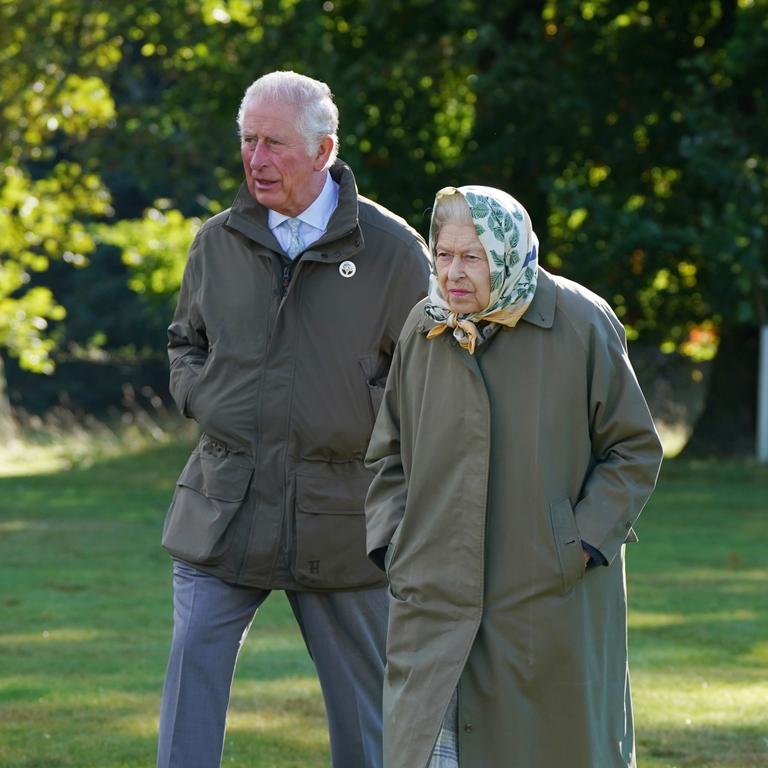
279, 171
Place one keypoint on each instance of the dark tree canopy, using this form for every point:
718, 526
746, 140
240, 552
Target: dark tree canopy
634, 132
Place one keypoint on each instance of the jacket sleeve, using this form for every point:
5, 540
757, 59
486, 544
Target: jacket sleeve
411, 285
385, 502
187, 340
626, 449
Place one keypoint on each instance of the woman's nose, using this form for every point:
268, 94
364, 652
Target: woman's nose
456, 269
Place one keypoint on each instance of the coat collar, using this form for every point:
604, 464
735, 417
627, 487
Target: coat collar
343, 236
540, 312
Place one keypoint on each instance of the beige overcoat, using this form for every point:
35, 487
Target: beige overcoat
491, 470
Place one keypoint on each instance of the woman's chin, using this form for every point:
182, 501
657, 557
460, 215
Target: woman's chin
464, 307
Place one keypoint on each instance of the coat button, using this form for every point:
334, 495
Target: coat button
468, 728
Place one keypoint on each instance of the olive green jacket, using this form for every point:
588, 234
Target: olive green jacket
284, 373
491, 470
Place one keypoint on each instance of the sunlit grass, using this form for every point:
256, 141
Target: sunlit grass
699, 619
85, 622
85, 600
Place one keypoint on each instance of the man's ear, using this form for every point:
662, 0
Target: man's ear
323, 153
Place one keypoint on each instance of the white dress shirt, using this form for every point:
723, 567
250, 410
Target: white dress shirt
314, 220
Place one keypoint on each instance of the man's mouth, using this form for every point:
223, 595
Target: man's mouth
263, 183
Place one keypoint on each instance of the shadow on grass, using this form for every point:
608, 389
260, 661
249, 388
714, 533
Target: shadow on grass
113, 738
122, 487
704, 746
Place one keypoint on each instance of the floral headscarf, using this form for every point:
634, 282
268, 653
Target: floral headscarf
505, 231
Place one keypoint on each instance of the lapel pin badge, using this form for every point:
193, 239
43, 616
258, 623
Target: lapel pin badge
347, 268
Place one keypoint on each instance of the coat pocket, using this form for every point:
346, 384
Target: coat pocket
567, 543
209, 492
329, 530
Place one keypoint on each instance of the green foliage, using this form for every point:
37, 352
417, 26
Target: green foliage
46, 199
661, 202
633, 132
154, 248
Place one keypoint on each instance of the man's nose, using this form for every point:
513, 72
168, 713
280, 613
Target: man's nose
257, 156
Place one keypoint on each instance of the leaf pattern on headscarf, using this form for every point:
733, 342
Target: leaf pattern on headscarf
477, 207
498, 219
498, 259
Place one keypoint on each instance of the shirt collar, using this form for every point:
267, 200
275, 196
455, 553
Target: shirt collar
318, 214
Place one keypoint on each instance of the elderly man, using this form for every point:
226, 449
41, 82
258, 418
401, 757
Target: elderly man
290, 307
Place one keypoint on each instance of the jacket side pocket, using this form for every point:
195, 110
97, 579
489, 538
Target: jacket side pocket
567, 543
329, 530
209, 492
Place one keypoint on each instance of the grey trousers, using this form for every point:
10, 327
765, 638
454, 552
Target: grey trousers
345, 634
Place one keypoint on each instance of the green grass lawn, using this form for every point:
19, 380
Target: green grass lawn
85, 623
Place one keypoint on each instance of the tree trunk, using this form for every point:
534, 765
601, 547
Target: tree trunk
727, 424
8, 428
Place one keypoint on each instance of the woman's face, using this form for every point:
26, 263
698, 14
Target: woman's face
462, 268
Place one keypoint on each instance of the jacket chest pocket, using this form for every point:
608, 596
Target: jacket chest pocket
329, 530
209, 492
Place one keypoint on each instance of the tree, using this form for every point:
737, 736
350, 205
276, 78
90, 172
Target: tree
49, 105
637, 130
632, 130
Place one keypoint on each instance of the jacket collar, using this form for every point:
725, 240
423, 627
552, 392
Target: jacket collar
540, 312
342, 239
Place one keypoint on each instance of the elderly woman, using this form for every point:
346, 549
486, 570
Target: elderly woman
513, 452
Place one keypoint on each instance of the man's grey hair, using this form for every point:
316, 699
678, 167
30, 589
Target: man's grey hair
317, 115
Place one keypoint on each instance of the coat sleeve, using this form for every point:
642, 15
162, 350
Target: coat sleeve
187, 340
626, 449
385, 502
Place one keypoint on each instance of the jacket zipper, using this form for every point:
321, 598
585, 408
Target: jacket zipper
287, 270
